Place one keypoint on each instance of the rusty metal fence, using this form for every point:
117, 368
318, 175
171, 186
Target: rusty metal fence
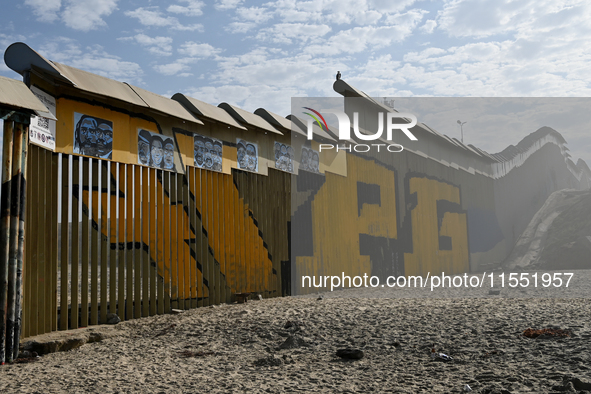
12, 232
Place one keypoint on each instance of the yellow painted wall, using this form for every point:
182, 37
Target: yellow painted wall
166, 229
426, 256
337, 223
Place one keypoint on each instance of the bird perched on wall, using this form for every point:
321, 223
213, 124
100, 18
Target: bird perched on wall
338, 75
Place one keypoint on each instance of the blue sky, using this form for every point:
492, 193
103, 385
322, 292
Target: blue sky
261, 53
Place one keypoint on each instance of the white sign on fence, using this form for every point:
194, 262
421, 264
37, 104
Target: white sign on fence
42, 130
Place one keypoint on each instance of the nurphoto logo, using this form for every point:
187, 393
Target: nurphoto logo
345, 127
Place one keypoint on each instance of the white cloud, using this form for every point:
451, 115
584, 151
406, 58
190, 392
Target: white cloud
240, 27
192, 8
260, 67
179, 67
7, 39
382, 67
491, 69
151, 17
258, 55
60, 49
406, 20
290, 14
87, 15
429, 26
218, 94
161, 46
461, 18
368, 17
194, 49
193, 27
227, 4
390, 6
84, 15
362, 38
254, 14
248, 97
92, 59
349, 11
340, 12
99, 62
45, 10
284, 33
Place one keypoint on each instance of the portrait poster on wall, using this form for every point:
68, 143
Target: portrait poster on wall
42, 130
283, 157
247, 155
93, 136
156, 150
310, 160
207, 153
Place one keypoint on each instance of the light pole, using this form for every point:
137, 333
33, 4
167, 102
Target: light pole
462, 129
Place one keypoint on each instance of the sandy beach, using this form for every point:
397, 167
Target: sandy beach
284, 345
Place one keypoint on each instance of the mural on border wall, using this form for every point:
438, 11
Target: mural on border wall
438, 223
247, 155
202, 250
156, 150
351, 224
284, 157
207, 153
310, 160
93, 136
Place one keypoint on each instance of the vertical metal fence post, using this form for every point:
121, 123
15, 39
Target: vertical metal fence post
18, 311
15, 200
5, 231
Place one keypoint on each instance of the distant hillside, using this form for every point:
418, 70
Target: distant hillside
559, 235
569, 238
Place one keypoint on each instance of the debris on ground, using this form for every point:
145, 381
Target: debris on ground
547, 332
242, 298
189, 353
293, 323
293, 342
166, 330
351, 354
113, 318
270, 361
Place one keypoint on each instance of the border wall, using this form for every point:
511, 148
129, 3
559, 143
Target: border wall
111, 231
438, 206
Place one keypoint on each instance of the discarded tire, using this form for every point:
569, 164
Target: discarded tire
351, 354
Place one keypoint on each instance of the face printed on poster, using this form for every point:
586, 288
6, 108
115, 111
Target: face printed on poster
93, 136
284, 157
156, 150
207, 153
247, 155
310, 160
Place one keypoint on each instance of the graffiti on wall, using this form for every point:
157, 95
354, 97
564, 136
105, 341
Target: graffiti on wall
93, 136
207, 153
247, 155
156, 150
351, 224
191, 239
438, 224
